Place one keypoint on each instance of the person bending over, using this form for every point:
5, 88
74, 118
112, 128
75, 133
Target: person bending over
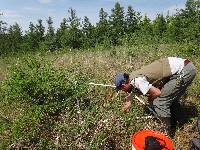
164, 81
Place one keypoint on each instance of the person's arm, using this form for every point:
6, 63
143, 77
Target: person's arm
153, 93
127, 103
146, 88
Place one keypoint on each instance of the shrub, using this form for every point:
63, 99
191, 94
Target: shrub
43, 90
37, 81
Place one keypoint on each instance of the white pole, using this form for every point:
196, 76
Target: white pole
141, 101
105, 85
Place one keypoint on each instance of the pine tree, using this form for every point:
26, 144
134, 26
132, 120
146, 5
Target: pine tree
132, 20
50, 30
50, 40
102, 27
146, 26
31, 37
34, 36
88, 33
190, 20
117, 23
159, 26
3, 36
174, 32
2, 26
15, 37
73, 36
40, 29
61, 32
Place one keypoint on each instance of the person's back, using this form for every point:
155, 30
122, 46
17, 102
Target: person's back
155, 71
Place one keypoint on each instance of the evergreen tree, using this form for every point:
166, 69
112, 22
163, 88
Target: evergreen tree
34, 36
132, 20
3, 36
40, 29
159, 26
2, 26
31, 37
174, 32
146, 26
15, 37
103, 17
50, 30
61, 32
190, 20
102, 27
117, 24
72, 37
50, 40
88, 33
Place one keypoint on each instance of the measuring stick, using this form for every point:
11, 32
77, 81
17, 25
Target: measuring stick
105, 85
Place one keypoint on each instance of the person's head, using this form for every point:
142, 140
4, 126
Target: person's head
122, 82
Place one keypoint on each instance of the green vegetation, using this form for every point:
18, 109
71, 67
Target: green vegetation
116, 29
45, 99
46, 102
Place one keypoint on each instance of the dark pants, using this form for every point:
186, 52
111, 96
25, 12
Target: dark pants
173, 90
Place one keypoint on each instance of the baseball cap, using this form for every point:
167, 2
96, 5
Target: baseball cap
119, 79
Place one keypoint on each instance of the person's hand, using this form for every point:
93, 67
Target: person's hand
126, 106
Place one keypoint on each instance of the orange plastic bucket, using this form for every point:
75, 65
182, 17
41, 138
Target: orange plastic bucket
138, 139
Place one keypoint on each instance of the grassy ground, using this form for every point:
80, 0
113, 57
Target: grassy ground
97, 121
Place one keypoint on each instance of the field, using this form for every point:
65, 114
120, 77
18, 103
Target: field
47, 103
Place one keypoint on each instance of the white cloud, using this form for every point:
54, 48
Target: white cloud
114, 0
167, 11
50, 1
31, 9
45, 1
173, 9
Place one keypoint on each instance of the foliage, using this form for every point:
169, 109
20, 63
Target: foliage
15, 38
89, 117
117, 24
159, 26
110, 30
50, 39
73, 35
132, 20
44, 98
102, 29
38, 82
61, 33
35, 84
88, 32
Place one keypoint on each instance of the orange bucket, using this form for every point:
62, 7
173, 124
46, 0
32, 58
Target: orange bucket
138, 139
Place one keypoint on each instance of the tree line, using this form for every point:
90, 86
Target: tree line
118, 28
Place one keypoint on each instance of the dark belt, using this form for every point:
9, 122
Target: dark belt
186, 62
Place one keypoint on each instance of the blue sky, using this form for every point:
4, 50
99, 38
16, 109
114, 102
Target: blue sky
26, 11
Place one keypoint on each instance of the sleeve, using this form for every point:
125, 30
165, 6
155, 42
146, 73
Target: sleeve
141, 84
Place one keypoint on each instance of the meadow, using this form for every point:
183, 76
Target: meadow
47, 103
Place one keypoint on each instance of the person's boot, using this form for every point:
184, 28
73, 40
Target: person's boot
166, 125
